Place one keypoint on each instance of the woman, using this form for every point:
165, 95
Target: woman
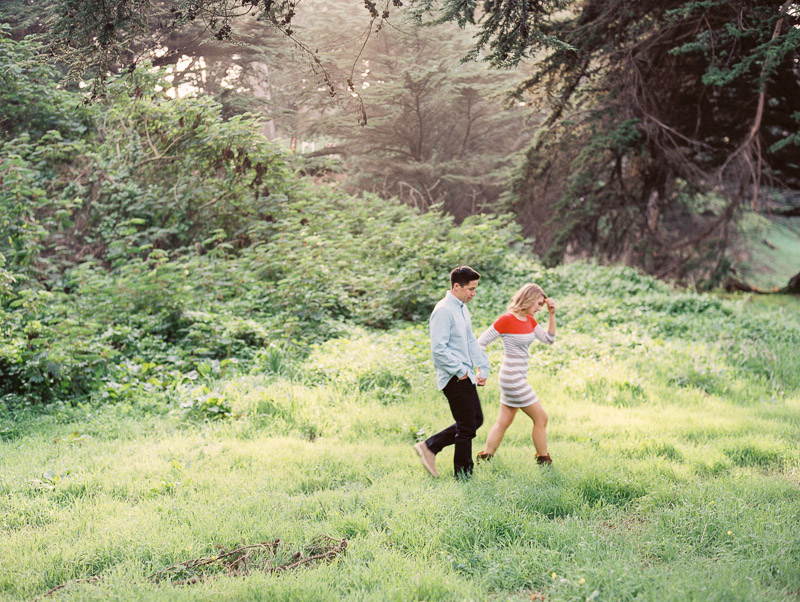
517, 328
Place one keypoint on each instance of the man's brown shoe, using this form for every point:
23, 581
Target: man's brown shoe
427, 457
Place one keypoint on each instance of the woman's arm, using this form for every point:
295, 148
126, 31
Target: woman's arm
551, 326
549, 336
489, 335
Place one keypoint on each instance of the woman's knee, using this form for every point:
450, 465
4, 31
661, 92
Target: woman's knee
538, 415
503, 422
506, 417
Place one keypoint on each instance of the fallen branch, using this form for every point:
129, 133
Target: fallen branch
330, 150
735, 285
243, 560
237, 562
50, 592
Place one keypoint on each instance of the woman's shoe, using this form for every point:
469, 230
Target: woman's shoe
546, 459
484, 457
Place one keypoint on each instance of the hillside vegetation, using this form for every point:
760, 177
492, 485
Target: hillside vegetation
201, 350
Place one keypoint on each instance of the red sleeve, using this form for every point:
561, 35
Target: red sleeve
502, 324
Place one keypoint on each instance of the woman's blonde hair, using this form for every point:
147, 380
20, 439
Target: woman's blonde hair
525, 297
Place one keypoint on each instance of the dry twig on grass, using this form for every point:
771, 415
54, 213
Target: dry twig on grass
50, 592
264, 556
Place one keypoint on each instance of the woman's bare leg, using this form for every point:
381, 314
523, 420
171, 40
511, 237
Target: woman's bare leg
497, 431
539, 417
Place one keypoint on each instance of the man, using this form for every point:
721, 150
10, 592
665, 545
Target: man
455, 354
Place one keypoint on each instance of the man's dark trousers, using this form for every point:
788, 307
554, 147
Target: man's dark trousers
466, 409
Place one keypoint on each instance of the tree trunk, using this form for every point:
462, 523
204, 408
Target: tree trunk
259, 81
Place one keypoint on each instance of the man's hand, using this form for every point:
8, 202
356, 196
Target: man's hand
480, 381
463, 377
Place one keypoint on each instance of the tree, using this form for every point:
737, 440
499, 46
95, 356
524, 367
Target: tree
145, 172
438, 131
110, 35
106, 36
667, 118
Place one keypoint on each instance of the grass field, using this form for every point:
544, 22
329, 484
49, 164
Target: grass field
674, 429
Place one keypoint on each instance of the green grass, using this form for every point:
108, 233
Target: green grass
676, 475
772, 249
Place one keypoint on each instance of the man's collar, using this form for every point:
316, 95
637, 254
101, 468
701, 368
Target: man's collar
452, 297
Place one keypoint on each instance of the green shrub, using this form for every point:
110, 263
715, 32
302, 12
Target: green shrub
207, 405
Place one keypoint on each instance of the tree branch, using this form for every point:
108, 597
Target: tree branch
746, 146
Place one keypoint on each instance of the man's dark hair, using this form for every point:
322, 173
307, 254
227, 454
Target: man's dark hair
463, 275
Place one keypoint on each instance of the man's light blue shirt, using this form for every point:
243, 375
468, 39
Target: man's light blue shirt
453, 344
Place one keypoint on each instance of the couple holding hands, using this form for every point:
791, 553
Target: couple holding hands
456, 352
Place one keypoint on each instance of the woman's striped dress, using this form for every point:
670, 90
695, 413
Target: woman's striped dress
517, 336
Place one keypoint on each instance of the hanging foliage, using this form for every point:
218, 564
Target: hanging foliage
666, 119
